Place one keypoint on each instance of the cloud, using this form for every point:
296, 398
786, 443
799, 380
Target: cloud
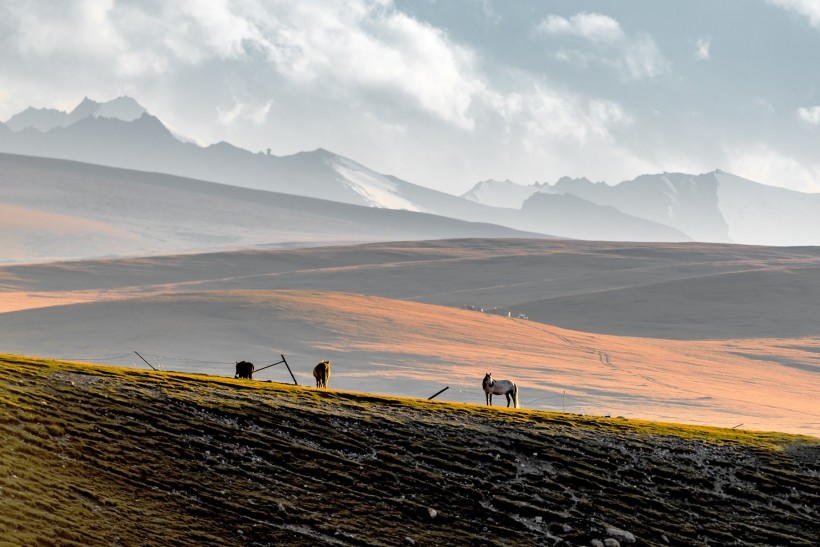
764, 164
257, 114
590, 26
810, 115
379, 48
702, 51
547, 117
364, 45
636, 58
809, 9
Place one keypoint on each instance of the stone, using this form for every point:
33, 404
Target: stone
621, 535
611, 542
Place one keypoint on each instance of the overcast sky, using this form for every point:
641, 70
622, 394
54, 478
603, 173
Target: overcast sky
446, 93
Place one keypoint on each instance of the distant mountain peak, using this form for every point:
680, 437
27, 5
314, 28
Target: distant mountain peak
565, 180
86, 108
122, 108
504, 193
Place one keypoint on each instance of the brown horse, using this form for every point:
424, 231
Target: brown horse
322, 373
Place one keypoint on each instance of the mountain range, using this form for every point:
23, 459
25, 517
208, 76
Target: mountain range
58, 209
673, 207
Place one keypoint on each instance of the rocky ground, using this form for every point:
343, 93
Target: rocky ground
109, 456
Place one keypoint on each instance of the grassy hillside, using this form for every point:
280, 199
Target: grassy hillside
98, 455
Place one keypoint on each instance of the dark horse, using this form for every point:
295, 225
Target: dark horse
244, 369
500, 387
322, 373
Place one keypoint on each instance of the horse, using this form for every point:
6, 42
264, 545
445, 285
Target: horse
500, 387
244, 369
322, 373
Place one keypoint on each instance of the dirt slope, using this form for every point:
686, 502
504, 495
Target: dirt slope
96, 455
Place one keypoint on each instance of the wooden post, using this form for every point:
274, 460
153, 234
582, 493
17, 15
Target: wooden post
291, 372
434, 395
143, 358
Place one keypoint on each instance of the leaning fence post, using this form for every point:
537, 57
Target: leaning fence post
143, 358
436, 394
291, 372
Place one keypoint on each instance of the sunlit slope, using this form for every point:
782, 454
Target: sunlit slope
674, 291
97, 456
405, 348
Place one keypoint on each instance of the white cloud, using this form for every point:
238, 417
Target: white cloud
702, 51
810, 115
591, 26
763, 104
642, 59
358, 45
769, 166
636, 58
381, 49
254, 113
805, 8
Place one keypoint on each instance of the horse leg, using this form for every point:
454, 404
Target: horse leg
508, 399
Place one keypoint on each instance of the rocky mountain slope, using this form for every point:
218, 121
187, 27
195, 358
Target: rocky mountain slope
99, 456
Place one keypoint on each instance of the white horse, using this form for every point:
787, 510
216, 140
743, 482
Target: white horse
500, 387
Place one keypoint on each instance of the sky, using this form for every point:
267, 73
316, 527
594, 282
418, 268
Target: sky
451, 92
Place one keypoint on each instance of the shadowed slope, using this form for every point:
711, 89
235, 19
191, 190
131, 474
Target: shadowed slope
100, 456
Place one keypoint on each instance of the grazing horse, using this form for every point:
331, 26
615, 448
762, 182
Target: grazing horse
244, 369
322, 373
500, 387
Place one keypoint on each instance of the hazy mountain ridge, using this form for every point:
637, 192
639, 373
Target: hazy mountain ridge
712, 207
574, 217
45, 119
145, 143
58, 209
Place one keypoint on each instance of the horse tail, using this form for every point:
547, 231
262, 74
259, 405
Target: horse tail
515, 396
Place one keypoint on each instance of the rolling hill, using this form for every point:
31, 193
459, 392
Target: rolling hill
56, 209
97, 456
672, 291
725, 320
